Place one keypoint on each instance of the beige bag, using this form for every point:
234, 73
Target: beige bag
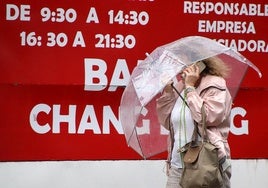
201, 163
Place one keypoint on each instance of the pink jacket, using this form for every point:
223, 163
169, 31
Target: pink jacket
213, 93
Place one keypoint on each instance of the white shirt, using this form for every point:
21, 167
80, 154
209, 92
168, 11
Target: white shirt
183, 126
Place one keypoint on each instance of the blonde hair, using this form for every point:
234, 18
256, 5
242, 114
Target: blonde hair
215, 66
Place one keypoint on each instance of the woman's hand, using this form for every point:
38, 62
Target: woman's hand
191, 75
168, 88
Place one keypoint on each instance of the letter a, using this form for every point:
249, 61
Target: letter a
92, 16
79, 40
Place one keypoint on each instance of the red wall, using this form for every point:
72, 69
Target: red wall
61, 75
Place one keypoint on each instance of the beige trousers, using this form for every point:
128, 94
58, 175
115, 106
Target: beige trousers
174, 175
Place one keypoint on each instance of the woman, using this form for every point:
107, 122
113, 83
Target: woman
207, 88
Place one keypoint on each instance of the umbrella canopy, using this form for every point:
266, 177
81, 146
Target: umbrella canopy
137, 109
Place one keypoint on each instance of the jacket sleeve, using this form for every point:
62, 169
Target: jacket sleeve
165, 104
214, 100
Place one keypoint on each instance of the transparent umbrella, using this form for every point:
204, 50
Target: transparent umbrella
138, 103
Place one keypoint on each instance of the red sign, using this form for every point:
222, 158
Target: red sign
64, 66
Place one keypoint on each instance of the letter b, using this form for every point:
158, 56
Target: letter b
95, 80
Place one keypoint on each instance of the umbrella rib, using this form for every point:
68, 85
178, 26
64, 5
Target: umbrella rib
128, 141
140, 145
135, 130
179, 95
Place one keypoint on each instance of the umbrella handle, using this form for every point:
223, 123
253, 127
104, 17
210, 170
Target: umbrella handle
179, 94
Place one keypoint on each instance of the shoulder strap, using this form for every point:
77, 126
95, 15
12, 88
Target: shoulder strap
204, 135
171, 146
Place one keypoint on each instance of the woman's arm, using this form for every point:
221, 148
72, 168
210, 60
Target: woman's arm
165, 104
214, 100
